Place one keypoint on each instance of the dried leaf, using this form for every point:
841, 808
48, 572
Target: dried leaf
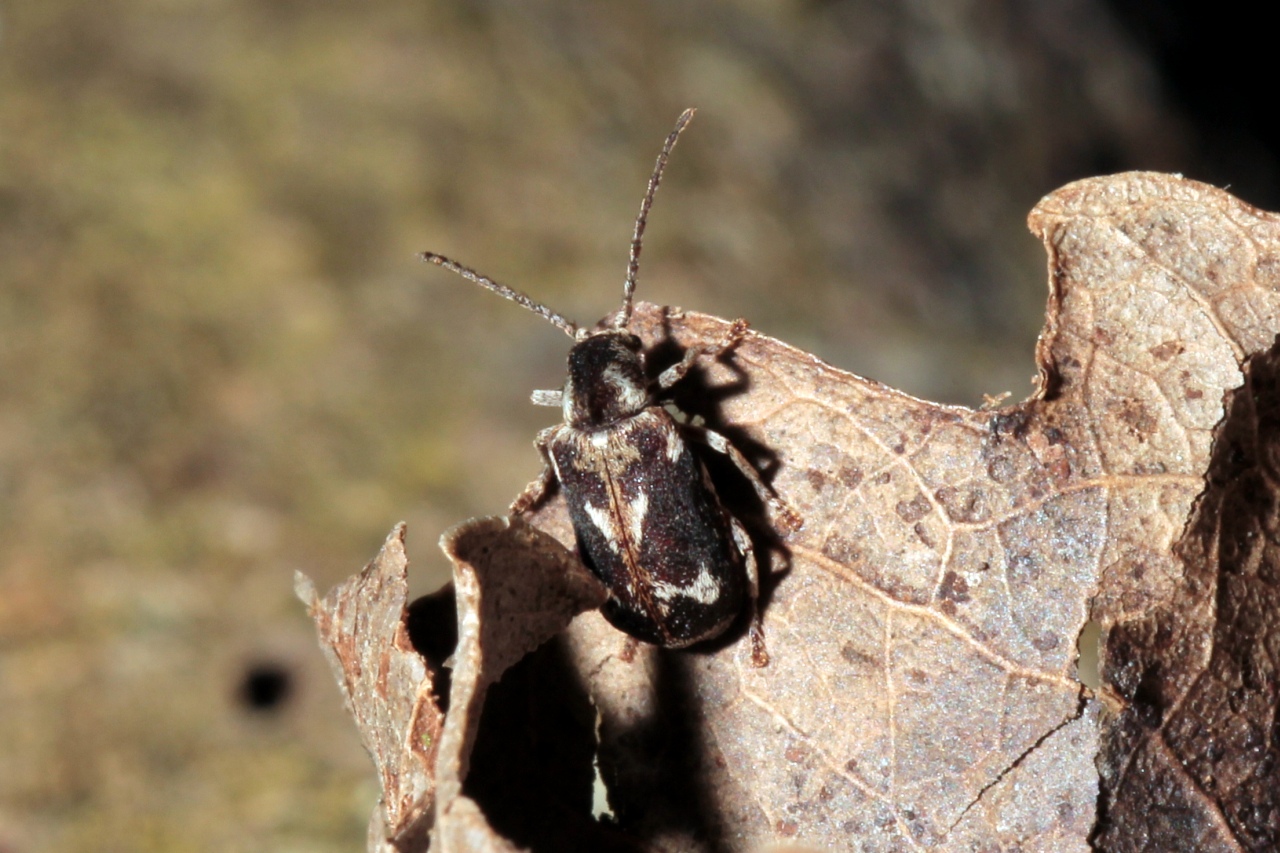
516, 588
1190, 759
922, 625
387, 687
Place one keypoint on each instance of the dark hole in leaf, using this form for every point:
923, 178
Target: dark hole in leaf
1087, 655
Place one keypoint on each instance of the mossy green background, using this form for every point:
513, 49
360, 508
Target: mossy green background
220, 361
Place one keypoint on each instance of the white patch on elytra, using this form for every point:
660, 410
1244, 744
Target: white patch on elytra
604, 522
636, 511
600, 439
705, 588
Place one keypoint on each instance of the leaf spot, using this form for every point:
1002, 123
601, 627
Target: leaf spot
1001, 469
850, 477
1167, 350
913, 510
925, 536
842, 549
966, 506
852, 654
1046, 642
955, 589
1136, 417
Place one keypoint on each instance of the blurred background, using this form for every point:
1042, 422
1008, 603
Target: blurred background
220, 361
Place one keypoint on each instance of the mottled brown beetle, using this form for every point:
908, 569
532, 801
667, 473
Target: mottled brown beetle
647, 519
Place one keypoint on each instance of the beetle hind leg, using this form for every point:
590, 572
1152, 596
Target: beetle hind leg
759, 654
787, 519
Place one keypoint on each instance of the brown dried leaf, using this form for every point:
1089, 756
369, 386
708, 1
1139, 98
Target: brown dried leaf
923, 690
922, 625
516, 588
387, 686
1190, 759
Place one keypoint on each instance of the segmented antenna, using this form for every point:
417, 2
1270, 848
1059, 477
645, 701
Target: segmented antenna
633, 265
566, 326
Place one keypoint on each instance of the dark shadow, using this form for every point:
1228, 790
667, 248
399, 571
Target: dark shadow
1194, 676
432, 622
659, 773
1208, 58
532, 769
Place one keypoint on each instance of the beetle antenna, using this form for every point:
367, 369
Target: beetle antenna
633, 265
566, 326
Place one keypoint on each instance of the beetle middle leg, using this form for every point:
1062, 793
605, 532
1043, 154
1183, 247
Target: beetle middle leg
787, 518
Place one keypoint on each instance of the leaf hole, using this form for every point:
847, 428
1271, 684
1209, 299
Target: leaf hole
1088, 650
600, 808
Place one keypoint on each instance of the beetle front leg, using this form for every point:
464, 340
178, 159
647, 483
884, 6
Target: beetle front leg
536, 490
553, 398
787, 518
676, 372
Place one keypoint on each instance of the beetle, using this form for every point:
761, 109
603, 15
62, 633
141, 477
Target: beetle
678, 566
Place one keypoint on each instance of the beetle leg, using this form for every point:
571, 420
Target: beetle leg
674, 373
554, 397
759, 654
536, 490
788, 519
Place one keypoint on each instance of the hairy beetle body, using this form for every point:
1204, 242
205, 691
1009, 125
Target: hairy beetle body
648, 523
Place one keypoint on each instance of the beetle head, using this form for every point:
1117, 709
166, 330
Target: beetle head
606, 369
606, 381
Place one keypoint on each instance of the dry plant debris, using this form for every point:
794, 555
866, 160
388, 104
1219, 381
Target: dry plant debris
923, 692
